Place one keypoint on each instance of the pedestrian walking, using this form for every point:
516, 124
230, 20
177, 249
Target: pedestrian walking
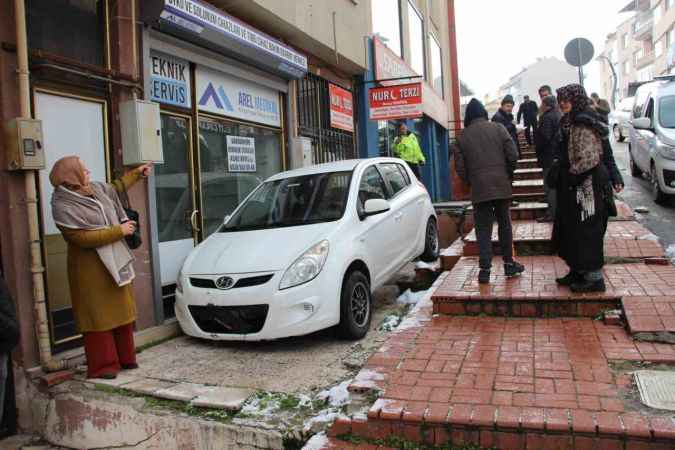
546, 148
100, 265
504, 116
528, 111
545, 91
485, 159
408, 149
9, 338
601, 106
584, 193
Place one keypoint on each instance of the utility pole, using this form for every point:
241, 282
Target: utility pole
615, 78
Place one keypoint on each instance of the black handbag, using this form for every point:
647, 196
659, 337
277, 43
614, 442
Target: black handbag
133, 240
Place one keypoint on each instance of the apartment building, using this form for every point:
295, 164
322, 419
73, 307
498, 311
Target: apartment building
639, 48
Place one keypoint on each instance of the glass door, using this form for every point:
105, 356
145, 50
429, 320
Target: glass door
177, 221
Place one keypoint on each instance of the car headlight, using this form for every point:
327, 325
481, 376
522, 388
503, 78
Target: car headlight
306, 267
667, 151
179, 281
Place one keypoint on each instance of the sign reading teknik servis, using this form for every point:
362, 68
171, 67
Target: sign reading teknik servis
169, 80
226, 95
197, 20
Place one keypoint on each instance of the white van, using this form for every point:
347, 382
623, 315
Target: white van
652, 136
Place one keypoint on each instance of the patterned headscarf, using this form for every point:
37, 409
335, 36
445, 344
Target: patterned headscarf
576, 95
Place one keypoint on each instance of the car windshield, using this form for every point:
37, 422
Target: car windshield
293, 201
667, 112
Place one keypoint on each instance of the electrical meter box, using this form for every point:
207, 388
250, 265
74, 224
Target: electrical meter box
141, 133
306, 148
23, 139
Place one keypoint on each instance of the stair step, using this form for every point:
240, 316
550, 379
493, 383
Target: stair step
527, 186
529, 174
525, 211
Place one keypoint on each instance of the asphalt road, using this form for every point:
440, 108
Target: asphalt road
661, 218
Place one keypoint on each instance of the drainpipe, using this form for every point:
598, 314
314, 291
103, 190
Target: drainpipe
454, 70
36, 266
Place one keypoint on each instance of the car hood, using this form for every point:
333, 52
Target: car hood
266, 250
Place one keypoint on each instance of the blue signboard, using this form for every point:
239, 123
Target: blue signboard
169, 80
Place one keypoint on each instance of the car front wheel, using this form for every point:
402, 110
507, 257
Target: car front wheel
431, 246
657, 194
355, 306
634, 169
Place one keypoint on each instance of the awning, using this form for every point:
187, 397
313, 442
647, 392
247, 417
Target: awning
202, 24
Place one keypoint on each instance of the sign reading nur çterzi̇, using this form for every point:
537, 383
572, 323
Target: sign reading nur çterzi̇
396, 102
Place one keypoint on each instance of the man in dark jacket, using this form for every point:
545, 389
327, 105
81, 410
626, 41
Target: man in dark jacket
601, 106
546, 147
485, 156
504, 116
9, 337
528, 111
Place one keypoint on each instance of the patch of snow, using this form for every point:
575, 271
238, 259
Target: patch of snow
325, 417
317, 442
411, 298
649, 237
337, 396
670, 253
390, 322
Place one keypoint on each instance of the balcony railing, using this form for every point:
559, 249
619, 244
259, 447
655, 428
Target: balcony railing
644, 25
644, 61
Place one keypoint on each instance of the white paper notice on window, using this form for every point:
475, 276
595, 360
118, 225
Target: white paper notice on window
240, 154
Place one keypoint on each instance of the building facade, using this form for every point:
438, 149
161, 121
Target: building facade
548, 70
284, 82
641, 48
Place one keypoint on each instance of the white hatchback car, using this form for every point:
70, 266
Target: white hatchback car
305, 250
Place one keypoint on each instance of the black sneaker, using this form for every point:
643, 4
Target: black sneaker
513, 269
589, 286
570, 279
484, 276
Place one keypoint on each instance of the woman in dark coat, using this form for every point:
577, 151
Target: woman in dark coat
584, 192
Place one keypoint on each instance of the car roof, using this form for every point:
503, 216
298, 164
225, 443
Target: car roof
660, 87
338, 166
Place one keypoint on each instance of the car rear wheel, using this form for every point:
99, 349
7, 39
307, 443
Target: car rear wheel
617, 134
355, 306
634, 169
657, 194
431, 246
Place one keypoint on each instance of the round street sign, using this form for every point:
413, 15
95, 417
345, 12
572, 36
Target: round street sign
579, 52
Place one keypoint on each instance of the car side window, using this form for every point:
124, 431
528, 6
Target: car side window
639, 107
371, 187
392, 173
649, 111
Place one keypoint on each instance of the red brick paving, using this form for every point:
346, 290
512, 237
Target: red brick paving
626, 239
650, 314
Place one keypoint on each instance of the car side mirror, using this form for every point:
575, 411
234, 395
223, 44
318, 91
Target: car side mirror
642, 123
375, 206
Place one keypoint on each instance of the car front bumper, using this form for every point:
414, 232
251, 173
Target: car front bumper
259, 312
665, 171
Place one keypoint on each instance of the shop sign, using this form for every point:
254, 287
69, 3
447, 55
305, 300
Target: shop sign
226, 95
402, 101
195, 18
341, 108
169, 80
240, 154
388, 65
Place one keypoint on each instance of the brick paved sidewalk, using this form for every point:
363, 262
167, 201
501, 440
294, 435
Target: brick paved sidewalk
650, 314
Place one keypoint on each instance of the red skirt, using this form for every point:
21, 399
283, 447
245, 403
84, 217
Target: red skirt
109, 351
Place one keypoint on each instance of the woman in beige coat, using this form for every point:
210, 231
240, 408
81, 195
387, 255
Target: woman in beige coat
100, 265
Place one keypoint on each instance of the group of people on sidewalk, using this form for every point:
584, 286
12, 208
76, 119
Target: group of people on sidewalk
571, 141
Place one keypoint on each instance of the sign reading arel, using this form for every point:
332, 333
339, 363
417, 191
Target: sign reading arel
169, 80
402, 101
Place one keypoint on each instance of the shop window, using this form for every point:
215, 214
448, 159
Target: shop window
416, 25
224, 182
387, 23
386, 133
436, 65
73, 29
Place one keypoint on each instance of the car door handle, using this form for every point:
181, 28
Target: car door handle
398, 217
193, 221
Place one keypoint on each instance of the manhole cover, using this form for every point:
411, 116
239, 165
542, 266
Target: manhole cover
657, 388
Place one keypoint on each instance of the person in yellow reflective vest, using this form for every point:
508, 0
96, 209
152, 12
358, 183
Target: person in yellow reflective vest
408, 149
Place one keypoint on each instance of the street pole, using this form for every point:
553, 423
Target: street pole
581, 70
615, 78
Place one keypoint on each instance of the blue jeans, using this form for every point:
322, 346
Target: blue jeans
3, 381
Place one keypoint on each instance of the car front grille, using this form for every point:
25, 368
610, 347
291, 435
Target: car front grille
669, 177
207, 283
229, 319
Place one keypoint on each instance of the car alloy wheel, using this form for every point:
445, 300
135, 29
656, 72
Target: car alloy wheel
360, 304
432, 237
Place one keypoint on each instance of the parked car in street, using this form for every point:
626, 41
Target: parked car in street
305, 250
619, 119
652, 136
